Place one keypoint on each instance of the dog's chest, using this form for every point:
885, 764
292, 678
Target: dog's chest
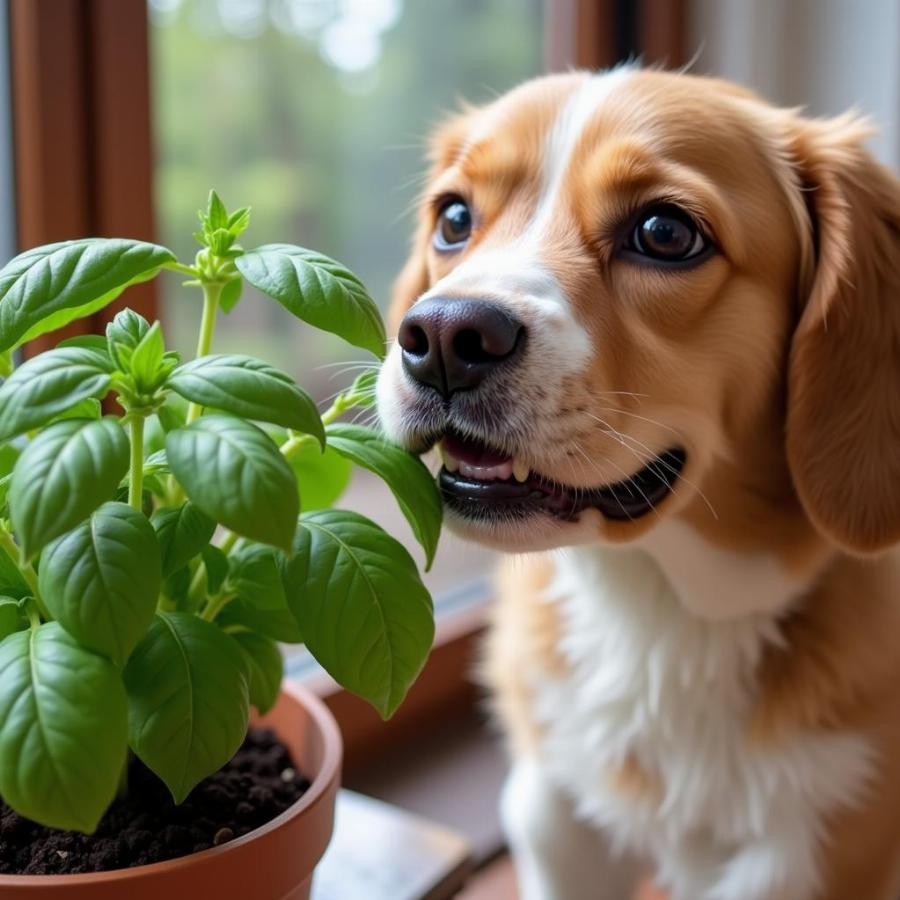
648, 727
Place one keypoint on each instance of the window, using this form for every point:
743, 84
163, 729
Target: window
7, 208
314, 111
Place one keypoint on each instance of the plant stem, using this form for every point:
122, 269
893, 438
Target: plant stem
211, 293
27, 570
136, 475
181, 267
291, 447
122, 789
215, 606
195, 591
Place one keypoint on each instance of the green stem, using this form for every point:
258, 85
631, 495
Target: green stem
181, 267
122, 789
195, 591
211, 292
290, 448
136, 474
27, 570
215, 606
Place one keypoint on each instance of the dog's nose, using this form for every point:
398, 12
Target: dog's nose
452, 345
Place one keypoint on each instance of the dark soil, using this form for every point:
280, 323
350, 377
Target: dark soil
147, 827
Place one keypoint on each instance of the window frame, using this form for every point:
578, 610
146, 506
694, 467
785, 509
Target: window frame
83, 163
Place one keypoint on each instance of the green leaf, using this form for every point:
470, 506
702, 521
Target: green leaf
63, 728
249, 388
216, 215
266, 667
8, 457
406, 475
47, 385
147, 359
279, 624
256, 576
11, 618
101, 580
187, 685
231, 295
45, 288
361, 394
183, 531
363, 610
236, 475
126, 330
216, 563
83, 409
12, 583
95, 342
62, 476
322, 477
317, 290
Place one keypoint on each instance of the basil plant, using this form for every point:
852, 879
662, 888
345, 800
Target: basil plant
155, 550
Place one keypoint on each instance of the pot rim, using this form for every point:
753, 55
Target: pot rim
328, 772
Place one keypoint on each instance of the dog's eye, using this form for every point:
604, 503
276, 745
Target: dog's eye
668, 234
454, 226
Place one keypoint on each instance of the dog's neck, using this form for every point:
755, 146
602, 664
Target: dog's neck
746, 546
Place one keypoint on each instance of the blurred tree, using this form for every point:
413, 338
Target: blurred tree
314, 112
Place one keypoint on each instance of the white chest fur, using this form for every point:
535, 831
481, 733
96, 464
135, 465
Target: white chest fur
654, 688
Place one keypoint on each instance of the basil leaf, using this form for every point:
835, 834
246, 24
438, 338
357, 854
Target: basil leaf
317, 290
236, 475
183, 531
278, 624
406, 475
230, 295
11, 618
216, 563
101, 580
363, 610
256, 577
12, 584
63, 728
47, 287
47, 385
187, 686
249, 388
146, 360
266, 667
321, 477
62, 476
126, 330
83, 409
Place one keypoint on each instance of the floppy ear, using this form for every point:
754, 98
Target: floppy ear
843, 415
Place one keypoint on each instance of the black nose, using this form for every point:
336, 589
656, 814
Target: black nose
452, 345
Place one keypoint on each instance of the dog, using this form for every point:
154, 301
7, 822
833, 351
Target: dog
652, 325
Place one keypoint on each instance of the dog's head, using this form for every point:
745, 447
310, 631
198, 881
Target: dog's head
625, 286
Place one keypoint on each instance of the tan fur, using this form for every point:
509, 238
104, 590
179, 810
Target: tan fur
776, 363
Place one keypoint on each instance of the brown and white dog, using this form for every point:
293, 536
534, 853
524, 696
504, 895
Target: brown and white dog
654, 325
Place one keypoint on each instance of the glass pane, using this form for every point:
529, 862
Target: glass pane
314, 112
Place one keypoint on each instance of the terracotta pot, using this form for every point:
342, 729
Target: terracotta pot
275, 862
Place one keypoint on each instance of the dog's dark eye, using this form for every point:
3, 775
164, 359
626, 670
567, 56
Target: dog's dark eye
668, 234
454, 226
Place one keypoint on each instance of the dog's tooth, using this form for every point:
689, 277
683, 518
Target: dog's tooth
451, 463
520, 470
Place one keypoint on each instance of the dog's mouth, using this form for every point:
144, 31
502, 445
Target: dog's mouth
479, 482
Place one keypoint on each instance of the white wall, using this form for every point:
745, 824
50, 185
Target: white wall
826, 55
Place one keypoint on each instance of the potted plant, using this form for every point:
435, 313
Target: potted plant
151, 559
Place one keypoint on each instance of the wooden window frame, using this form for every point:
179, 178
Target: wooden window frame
83, 151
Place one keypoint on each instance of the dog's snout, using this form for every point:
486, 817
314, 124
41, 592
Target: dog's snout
452, 345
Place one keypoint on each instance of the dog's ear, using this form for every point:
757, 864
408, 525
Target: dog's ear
843, 407
444, 146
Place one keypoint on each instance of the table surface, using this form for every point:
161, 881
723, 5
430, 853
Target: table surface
381, 852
